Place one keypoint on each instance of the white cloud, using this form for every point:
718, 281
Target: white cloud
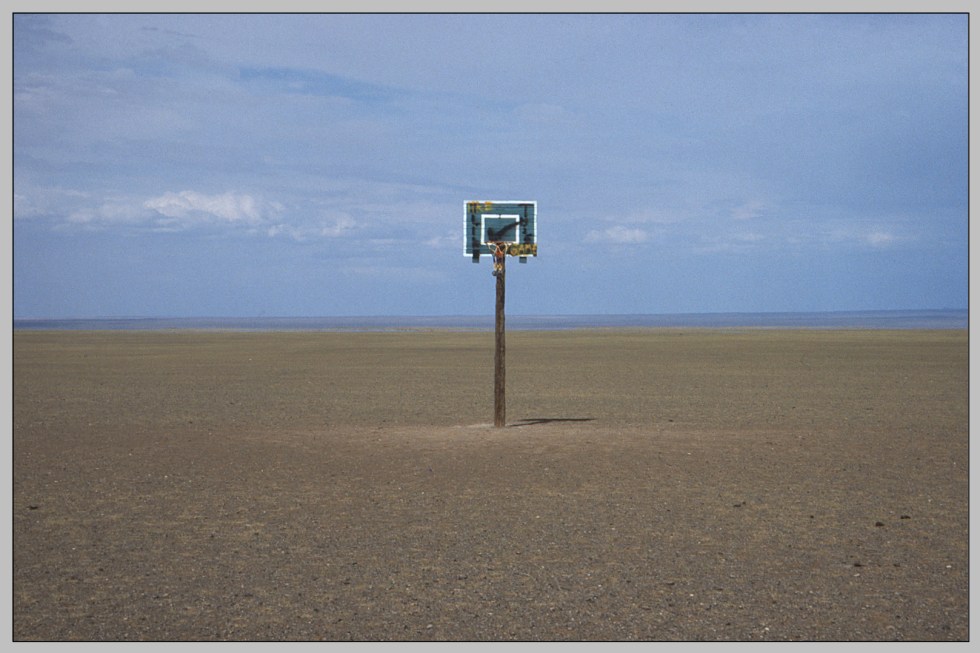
170, 211
877, 237
183, 211
719, 243
190, 206
750, 237
337, 227
748, 210
340, 226
111, 212
46, 202
618, 235
880, 238
447, 240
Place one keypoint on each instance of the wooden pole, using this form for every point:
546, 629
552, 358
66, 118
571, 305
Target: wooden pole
499, 404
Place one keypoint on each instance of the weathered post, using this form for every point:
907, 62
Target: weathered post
500, 348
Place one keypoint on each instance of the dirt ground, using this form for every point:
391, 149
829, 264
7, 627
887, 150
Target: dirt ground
660, 484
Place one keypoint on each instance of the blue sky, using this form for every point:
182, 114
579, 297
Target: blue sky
316, 165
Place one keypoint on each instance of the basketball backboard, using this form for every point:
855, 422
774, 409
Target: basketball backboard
511, 222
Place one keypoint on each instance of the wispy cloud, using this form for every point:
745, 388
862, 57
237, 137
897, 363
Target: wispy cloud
617, 235
170, 211
41, 203
313, 82
187, 207
335, 227
749, 210
880, 238
109, 212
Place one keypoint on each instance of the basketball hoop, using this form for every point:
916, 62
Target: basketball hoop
512, 224
500, 229
499, 250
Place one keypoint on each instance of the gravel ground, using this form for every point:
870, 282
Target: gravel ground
658, 485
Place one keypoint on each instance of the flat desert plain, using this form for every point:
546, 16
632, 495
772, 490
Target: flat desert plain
658, 484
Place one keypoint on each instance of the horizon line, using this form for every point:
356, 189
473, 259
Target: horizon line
483, 315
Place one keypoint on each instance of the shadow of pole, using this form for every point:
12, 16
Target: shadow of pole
532, 421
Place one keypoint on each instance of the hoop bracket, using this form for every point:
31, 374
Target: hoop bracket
499, 251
